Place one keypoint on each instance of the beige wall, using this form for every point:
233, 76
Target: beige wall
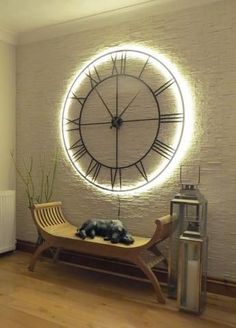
201, 42
7, 115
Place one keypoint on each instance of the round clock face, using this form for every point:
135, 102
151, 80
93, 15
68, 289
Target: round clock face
123, 120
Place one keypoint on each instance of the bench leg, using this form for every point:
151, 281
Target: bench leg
153, 279
56, 255
158, 253
37, 253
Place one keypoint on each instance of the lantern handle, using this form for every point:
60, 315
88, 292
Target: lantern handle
193, 166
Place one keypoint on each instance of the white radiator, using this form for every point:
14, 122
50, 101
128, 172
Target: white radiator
7, 221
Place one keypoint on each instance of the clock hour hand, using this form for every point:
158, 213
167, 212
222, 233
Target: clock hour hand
102, 100
124, 110
117, 92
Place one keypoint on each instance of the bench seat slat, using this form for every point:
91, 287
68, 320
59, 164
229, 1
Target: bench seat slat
67, 230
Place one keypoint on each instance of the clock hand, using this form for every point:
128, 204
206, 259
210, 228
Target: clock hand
124, 110
117, 147
95, 123
76, 121
82, 124
117, 95
117, 120
103, 102
142, 119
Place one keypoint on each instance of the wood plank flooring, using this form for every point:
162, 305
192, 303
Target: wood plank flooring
61, 295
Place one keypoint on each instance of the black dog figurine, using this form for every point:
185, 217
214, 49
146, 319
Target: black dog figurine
112, 230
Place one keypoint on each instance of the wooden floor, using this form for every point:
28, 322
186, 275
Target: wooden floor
61, 295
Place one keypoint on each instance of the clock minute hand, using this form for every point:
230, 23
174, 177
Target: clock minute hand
124, 110
103, 102
143, 119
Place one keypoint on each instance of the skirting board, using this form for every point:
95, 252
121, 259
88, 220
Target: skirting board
121, 268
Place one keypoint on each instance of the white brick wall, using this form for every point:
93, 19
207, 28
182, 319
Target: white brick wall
201, 42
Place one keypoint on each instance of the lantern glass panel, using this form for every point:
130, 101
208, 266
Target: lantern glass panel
190, 275
204, 272
191, 217
177, 210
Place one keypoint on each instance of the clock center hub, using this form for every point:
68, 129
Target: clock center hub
116, 122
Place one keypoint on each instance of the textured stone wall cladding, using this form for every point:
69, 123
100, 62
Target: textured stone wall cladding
201, 42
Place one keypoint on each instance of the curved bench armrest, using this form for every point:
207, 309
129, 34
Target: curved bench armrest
47, 214
45, 205
164, 227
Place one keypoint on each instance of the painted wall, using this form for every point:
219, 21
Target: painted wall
7, 115
201, 42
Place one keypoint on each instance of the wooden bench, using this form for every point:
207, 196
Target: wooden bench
56, 231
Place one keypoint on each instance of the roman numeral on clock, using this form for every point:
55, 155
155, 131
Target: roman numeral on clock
94, 168
172, 118
79, 99
93, 77
76, 121
166, 85
141, 170
80, 150
115, 177
143, 68
123, 63
162, 149
114, 68
119, 65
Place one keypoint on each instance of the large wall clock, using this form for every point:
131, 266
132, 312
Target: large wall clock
123, 120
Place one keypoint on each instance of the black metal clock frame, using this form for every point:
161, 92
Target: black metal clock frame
79, 148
